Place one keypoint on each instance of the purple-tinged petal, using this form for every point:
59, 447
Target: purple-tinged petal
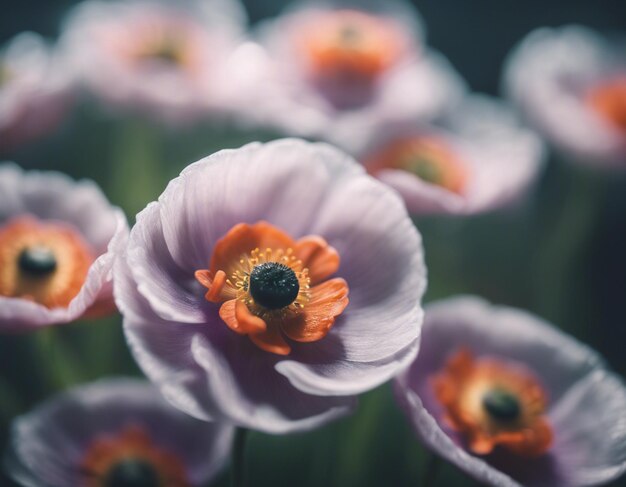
582, 396
54, 197
49, 444
204, 368
548, 77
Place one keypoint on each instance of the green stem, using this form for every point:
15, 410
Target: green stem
137, 174
238, 458
565, 240
431, 471
58, 363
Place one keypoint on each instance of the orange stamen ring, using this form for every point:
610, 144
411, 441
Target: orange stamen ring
351, 42
492, 403
271, 286
42, 262
428, 158
128, 455
609, 101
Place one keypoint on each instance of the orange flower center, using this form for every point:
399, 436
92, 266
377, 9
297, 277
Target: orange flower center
429, 159
351, 43
131, 459
158, 40
272, 286
168, 48
43, 262
493, 403
609, 101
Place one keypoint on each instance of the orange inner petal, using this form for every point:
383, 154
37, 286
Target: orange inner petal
71, 254
131, 443
271, 341
321, 259
461, 388
241, 240
430, 159
348, 42
609, 101
328, 300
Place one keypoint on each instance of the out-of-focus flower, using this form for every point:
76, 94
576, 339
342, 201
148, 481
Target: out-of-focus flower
477, 159
54, 261
570, 83
338, 67
277, 233
159, 56
35, 90
115, 432
512, 401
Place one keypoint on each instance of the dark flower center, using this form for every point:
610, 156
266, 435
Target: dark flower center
274, 285
424, 168
37, 261
502, 405
132, 472
350, 35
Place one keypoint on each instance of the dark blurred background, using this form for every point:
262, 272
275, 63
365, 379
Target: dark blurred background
562, 255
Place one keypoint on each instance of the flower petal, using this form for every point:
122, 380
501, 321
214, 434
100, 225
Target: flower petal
321, 259
239, 319
327, 302
571, 373
49, 443
271, 340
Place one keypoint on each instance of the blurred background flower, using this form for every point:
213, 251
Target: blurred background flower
54, 249
508, 398
476, 158
340, 67
115, 432
162, 57
36, 90
570, 83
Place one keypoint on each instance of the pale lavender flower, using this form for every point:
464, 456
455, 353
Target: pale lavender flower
513, 401
114, 432
279, 233
570, 83
55, 234
335, 69
476, 159
36, 89
162, 57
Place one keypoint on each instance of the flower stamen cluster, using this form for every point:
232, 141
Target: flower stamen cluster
493, 403
271, 285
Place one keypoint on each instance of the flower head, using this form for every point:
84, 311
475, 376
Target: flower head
35, 90
269, 284
339, 67
115, 432
167, 58
511, 400
234, 286
476, 159
570, 83
54, 261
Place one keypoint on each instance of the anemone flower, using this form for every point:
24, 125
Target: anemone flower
513, 401
478, 159
570, 83
162, 57
35, 90
55, 266
339, 67
114, 433
269, 285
